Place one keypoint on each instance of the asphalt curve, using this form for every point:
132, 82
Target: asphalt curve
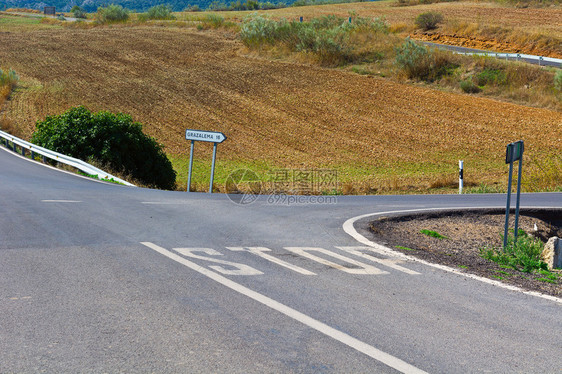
97, 277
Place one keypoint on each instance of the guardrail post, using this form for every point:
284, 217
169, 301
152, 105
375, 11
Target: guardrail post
22, 151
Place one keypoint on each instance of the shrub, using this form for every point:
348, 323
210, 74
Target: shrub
78, 12
259, 30
331, 39
112, 140
112, 13
8, 80
429, 20
416, 61
192, 8
469, 87
491, 77
558, 80
212, 21
523, 255
161, 12
413, 59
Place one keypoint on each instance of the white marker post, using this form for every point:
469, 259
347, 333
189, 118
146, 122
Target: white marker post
203, 136
461, 164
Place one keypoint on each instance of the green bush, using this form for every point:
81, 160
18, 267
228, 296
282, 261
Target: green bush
112, 13
469, 87
113, 140
558, 80
491, 77
214, 20
78, 12
413, 59
192, 8
329, 38
429, 20
418, 62
9, 78
160, 12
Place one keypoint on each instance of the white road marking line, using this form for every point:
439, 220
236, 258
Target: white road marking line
391, 263
321, 327
350, 230
242, 269
363, 268
60, 201
163, 202
259, 251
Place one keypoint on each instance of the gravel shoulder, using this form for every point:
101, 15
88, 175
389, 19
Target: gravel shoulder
466, 234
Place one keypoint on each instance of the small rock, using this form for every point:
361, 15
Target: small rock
551, 253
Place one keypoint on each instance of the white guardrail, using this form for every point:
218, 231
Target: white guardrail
516, 56
83, 166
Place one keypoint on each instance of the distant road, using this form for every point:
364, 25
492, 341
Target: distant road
531, 59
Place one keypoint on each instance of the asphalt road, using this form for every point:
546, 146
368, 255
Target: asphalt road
104, 278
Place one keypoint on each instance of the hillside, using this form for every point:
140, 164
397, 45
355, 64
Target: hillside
380, 135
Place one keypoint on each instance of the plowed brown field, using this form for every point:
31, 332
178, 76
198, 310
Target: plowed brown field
283, 114
473, 12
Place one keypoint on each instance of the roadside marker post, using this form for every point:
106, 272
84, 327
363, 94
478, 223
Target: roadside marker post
513, 152
461, 177
203, 136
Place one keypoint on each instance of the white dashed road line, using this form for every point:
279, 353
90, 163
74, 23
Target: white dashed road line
60, 201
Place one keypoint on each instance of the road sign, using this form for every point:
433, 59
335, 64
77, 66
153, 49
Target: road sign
514, 151
205, 136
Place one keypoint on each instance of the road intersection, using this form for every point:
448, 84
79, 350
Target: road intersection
99, 277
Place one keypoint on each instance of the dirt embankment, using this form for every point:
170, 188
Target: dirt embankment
487, 44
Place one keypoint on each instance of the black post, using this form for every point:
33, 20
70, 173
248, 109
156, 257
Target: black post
508, 204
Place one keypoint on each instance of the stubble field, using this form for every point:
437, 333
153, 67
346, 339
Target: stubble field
380, 135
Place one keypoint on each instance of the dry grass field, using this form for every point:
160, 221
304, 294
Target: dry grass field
380, 135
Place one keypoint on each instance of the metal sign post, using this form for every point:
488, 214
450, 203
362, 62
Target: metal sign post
203, 136
513, 152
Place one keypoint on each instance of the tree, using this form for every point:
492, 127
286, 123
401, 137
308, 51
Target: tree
429, 20
112, 140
